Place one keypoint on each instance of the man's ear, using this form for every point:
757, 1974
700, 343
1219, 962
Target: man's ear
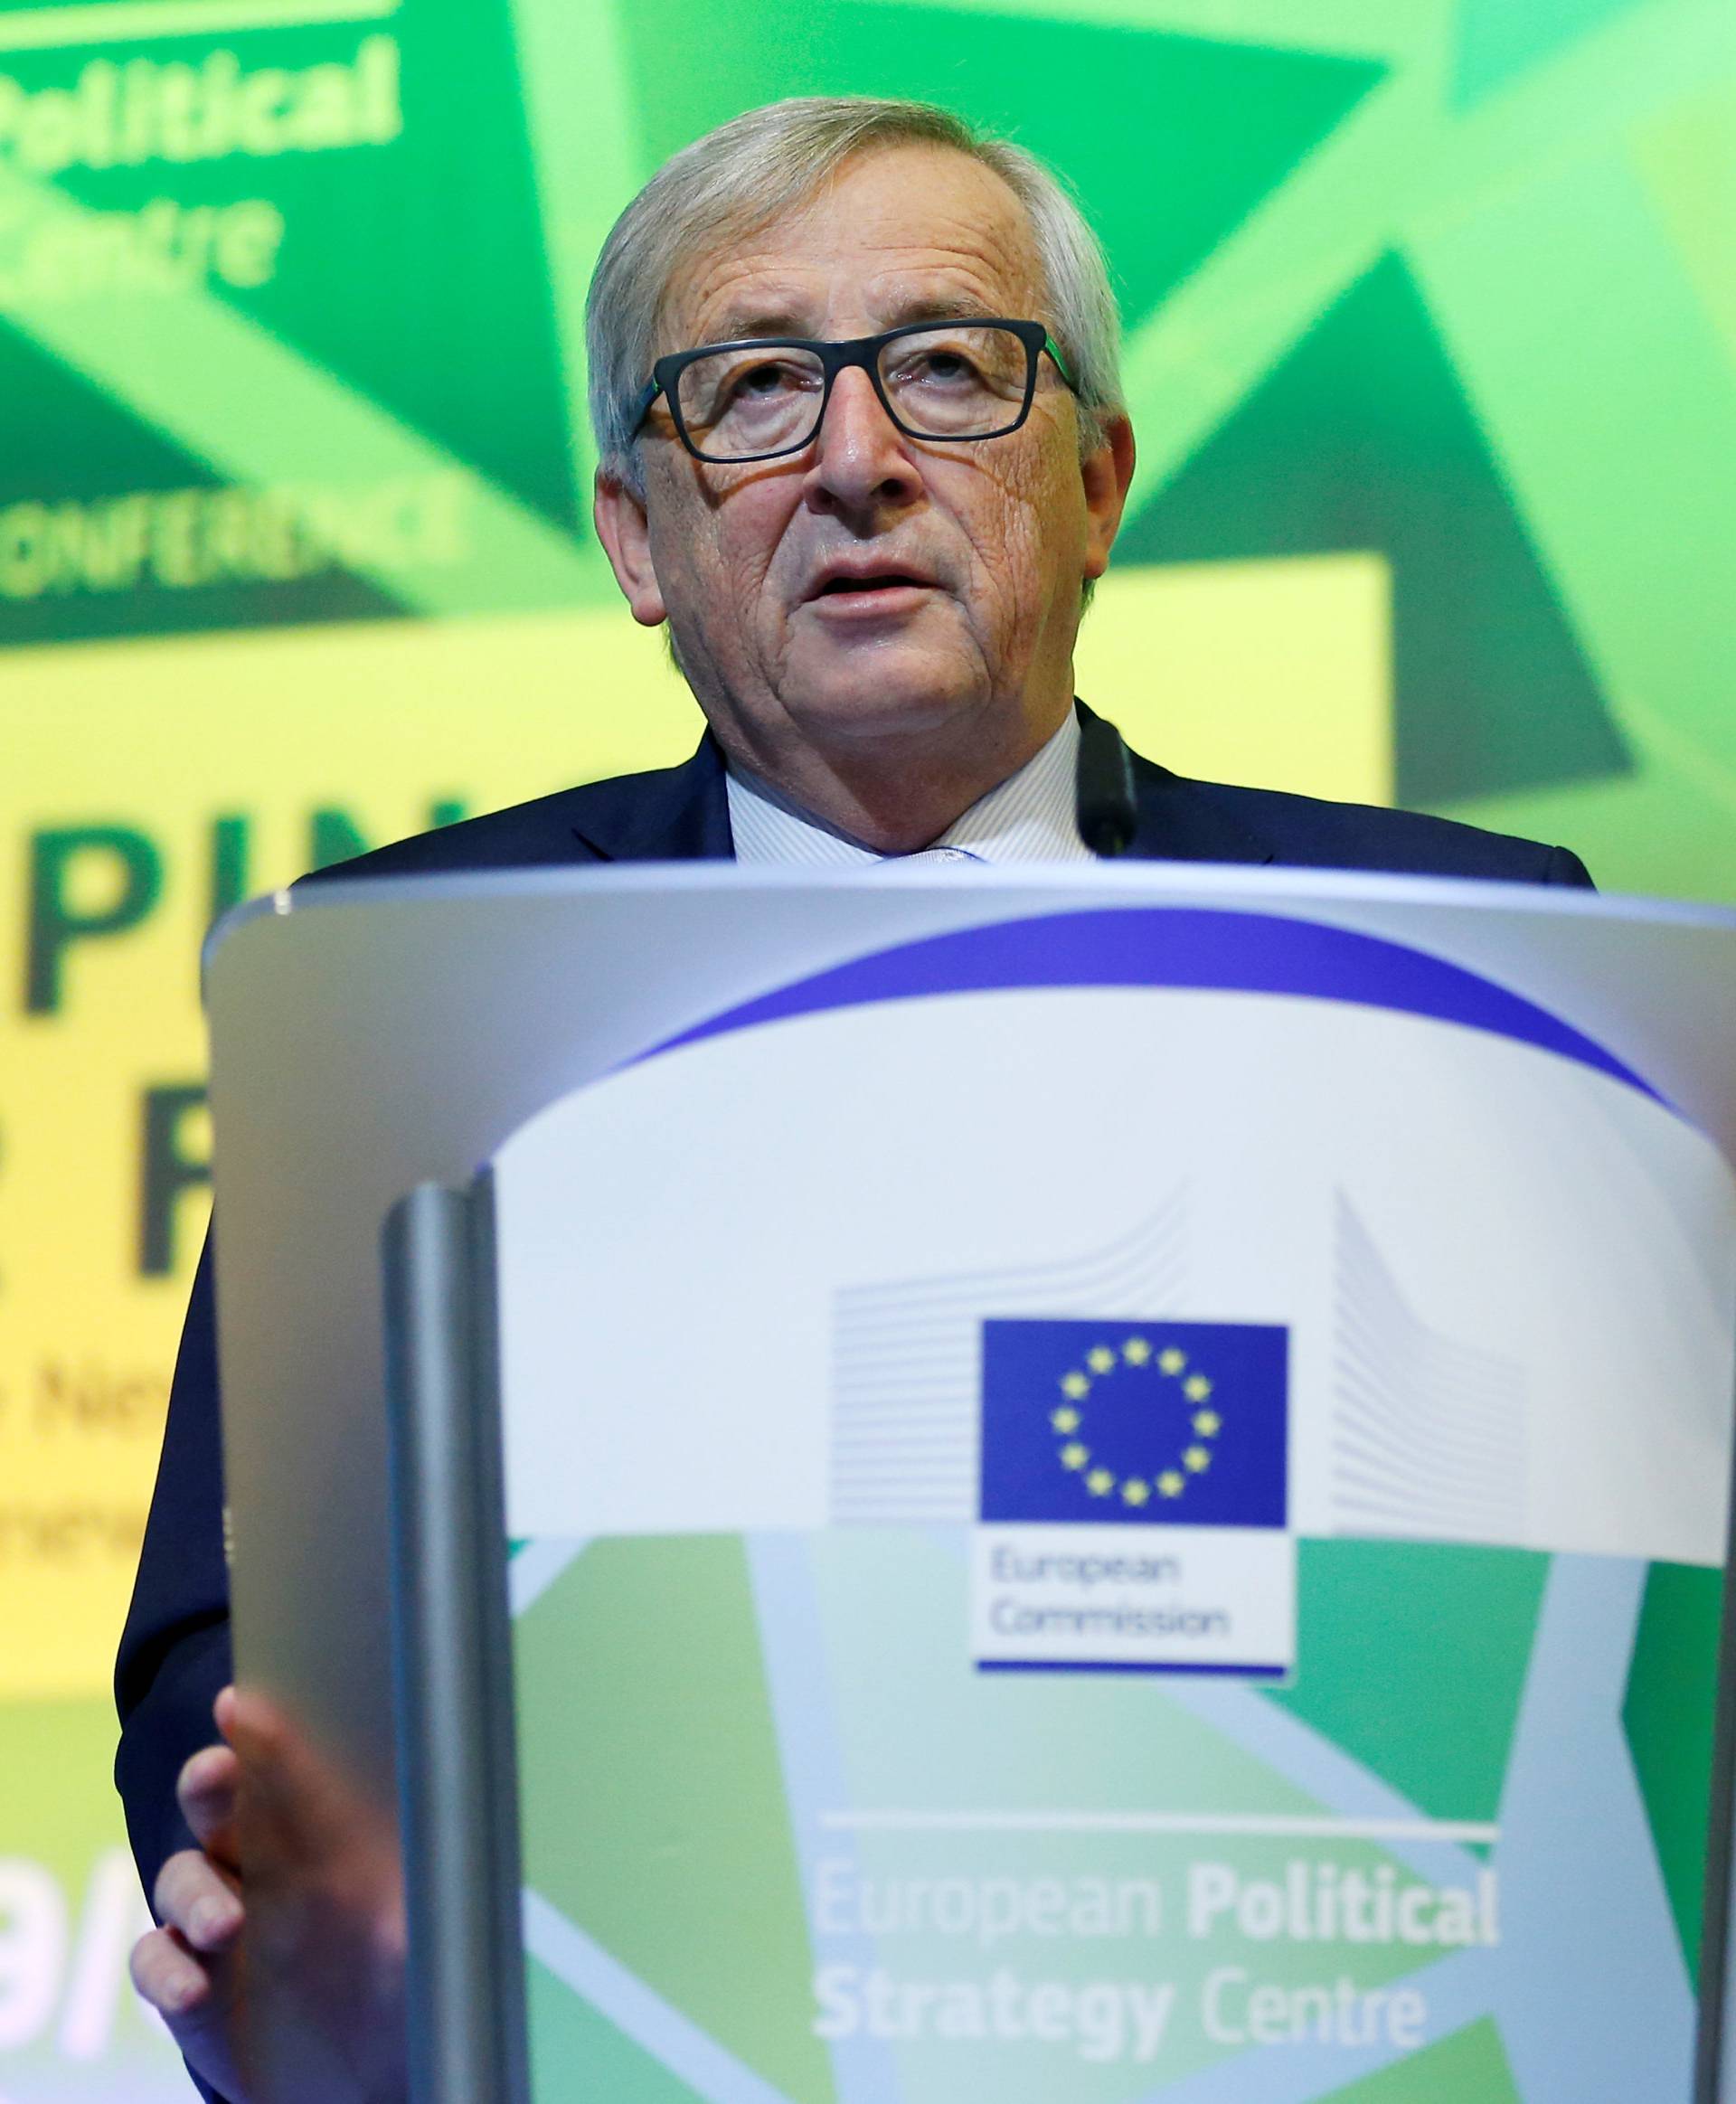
625, 533
1108, 474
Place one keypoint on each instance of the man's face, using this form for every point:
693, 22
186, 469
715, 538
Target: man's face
969, 558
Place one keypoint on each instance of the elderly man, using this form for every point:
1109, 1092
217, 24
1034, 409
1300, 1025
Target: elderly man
853, 379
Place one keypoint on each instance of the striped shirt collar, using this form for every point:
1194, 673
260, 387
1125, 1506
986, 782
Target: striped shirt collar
1032, 816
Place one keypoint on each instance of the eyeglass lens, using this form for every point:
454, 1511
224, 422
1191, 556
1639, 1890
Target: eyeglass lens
956, 382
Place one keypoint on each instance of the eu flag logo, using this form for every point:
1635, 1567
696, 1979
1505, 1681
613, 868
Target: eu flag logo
1184, 1423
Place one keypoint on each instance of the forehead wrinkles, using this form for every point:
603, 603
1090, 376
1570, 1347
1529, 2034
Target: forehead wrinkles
883, 241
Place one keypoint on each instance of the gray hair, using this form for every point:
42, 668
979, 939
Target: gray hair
751, 172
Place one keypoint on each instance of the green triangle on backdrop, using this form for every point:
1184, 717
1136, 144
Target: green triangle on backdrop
432, 299
1499, 39
1196, 134
427, 296
71, 437
1362, 439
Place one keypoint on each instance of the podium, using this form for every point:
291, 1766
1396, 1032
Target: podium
1042, 1484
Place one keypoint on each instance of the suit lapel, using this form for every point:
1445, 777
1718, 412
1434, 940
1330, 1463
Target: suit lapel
1180, 821
679, 814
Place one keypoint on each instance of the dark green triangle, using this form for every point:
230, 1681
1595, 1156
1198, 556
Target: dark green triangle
435, 300
1387, 1644
1500, 39
1199, 132
414, 271
1667, 1714
74, 441
1362, 438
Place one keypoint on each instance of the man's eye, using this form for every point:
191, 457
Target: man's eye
940, 367
766, 380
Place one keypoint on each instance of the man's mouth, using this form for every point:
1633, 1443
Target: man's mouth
878, 591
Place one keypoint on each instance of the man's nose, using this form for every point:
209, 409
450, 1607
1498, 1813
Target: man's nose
861, 457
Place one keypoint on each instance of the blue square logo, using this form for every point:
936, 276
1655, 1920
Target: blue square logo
1135, 1424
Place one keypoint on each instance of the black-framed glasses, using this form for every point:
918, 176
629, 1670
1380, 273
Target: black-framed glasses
956, 382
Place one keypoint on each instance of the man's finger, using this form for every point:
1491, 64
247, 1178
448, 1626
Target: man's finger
201, 1900
206, 1792
196, 2005
168, 1975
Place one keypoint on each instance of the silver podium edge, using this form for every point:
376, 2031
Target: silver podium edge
452, 1654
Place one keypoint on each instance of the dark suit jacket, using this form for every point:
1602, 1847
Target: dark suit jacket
174, 1654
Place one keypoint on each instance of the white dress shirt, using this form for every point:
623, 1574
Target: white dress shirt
1032, 816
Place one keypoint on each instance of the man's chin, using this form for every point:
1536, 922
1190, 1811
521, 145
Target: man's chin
896, 690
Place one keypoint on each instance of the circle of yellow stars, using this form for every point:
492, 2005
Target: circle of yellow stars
1067, 1420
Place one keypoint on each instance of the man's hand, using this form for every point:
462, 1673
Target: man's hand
323, 1917
190, 1969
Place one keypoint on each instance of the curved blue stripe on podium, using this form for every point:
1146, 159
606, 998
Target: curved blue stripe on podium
1208, 948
